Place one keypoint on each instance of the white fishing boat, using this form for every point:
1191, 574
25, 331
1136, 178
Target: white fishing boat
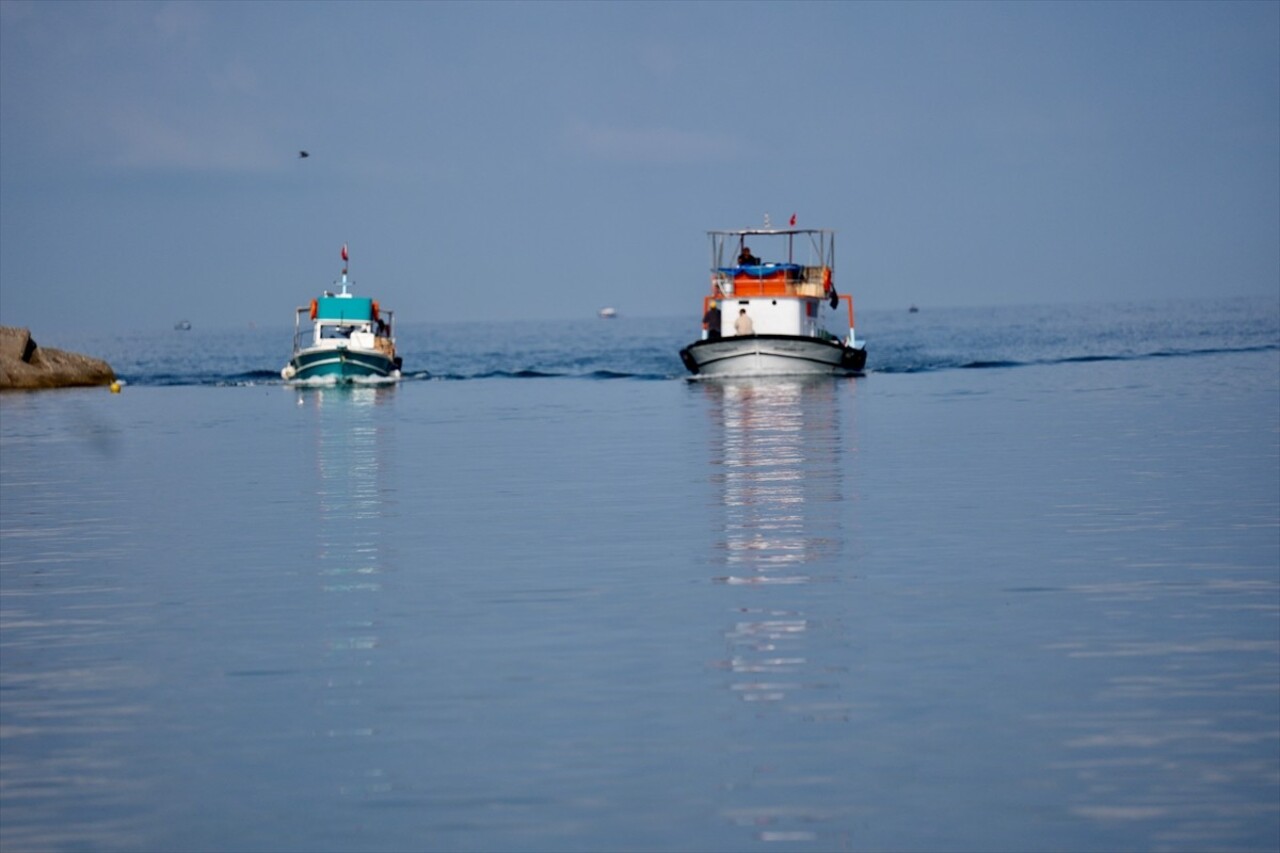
607, 313
342, 338
764, 317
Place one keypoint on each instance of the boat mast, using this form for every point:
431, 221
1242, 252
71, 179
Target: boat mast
345, 258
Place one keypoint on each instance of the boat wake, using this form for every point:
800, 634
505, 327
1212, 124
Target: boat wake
888, 363
915, 364
529, 373
642, 352
332, 381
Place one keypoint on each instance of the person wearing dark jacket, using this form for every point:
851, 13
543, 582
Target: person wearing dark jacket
711, 321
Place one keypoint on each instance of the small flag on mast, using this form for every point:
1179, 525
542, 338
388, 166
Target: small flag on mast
344, 252
793, 220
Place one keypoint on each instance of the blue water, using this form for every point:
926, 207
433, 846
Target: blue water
1017, 588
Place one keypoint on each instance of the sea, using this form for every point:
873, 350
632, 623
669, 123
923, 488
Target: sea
1017, 588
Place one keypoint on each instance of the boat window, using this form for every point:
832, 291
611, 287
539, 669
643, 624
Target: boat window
336, 331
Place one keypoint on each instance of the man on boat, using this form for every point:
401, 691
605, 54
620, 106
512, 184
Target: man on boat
711, 321
746, 259
743, 325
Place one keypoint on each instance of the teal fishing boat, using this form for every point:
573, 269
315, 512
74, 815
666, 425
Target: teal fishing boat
342, 338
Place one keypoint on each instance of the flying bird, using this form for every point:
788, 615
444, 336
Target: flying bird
302, 154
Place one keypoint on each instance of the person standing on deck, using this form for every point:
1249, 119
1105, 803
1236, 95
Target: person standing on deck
711, 321
743, 325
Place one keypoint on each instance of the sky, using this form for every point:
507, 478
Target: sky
540, 160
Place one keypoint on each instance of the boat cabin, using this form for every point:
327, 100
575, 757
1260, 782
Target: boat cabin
772, 316
343, 319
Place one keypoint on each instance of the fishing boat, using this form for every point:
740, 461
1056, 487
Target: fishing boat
764, 317
342, 338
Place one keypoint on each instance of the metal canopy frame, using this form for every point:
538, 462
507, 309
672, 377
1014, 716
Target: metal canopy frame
821, 244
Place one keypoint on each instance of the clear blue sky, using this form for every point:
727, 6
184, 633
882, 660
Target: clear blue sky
507, 160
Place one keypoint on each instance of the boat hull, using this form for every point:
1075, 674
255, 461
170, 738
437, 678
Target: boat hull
772, 355
340, 365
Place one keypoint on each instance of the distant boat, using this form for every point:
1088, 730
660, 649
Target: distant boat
182, 326
913, 310
607, 313
349, 339
776, 305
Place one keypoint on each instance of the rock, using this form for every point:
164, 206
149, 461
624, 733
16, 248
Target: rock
26, 366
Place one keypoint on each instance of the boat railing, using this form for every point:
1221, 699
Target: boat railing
297, 327
812, 281
304, 332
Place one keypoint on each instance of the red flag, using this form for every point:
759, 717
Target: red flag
344, 251
793, 220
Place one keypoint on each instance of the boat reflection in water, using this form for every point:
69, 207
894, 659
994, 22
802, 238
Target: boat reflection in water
778, 458
778, 445
354, 508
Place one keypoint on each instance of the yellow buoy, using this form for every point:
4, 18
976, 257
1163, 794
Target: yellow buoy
115, 387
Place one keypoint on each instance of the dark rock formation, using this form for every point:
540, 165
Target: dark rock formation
26, 366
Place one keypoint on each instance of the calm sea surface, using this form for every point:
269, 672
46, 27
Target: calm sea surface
1017, 588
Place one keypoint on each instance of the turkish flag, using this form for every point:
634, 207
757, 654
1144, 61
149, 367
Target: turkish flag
344, 251
793, 220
